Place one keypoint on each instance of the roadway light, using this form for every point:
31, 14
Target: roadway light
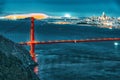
116, 43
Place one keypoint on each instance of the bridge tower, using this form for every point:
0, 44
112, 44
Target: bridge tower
32, 40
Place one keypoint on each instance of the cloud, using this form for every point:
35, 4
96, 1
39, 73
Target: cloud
2, 3
118, 2
71, 2
23, 16
60, 6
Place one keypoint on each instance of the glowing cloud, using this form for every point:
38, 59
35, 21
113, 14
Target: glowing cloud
38, 15
23, 16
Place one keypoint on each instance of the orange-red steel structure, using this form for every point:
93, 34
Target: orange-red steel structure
73, 41
32, 41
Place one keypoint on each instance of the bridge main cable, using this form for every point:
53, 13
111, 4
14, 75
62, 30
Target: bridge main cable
71, 41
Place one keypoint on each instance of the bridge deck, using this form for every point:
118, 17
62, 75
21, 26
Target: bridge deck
71, 41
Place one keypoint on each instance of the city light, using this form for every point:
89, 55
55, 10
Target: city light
110, 27
116, 43
14, 17
67, 15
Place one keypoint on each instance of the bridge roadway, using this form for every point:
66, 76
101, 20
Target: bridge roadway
70, 41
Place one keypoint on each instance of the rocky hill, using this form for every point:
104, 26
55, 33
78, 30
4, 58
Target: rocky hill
15, 62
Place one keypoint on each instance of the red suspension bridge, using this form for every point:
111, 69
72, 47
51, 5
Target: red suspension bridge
33, 42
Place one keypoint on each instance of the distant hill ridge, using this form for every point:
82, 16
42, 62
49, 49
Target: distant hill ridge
23, 16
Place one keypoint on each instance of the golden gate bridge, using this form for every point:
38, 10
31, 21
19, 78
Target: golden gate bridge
33, 42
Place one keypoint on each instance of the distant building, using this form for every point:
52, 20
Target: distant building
118, 18
108, 23
104, 17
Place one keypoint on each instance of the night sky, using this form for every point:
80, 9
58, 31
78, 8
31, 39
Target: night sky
61, 7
